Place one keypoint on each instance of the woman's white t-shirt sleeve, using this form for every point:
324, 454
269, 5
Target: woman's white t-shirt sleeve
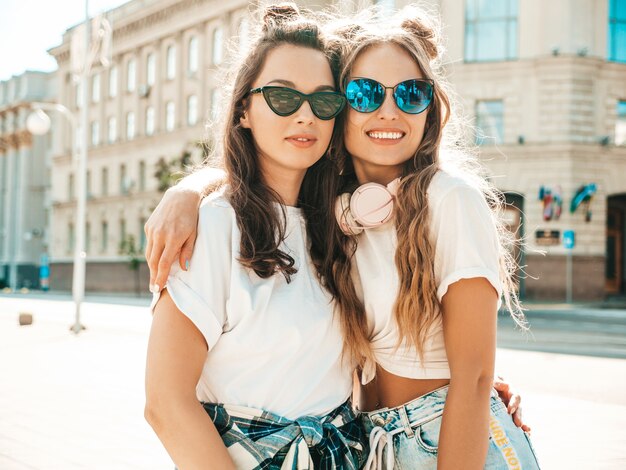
201, 293
464, 235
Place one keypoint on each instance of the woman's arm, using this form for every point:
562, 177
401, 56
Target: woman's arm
171, 228
469, 326
203, 181
176, 354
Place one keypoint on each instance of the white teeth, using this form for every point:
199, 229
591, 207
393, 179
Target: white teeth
385, 135
302, 139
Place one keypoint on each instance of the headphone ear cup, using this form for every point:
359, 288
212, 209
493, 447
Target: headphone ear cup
371, 205
346, 221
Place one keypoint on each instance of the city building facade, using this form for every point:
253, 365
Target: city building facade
148, 107
543, 84
25, 166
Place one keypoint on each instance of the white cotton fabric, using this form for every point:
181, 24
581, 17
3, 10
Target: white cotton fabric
465, 238
272, 345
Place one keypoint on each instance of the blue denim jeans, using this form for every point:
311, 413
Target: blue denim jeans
407, 437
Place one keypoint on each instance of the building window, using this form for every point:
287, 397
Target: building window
490, 30
88, 183
142, 176
70, 237
218, 45
113, 81
124, 186
386, 6
112, 130
149, 120
95, 133
620, 124
104, 182
192, 64
70, 187
170, 69
617, 31
215, 103
104, 239
11, 90
192, 110
150, 69
131, 75
243, 33
87, 237
142, 234
122, 232
130, 125
489, 122
169, 116
95, 88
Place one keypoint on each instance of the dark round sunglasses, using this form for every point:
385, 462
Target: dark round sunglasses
286, 101
366, 95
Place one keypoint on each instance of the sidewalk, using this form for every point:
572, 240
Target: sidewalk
72, 402
597, 311
121, 298
616, 305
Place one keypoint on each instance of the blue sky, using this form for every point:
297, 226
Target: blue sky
28, 28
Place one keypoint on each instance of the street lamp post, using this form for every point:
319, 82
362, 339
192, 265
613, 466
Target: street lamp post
79, 157
100, 49
38, 123
78, 279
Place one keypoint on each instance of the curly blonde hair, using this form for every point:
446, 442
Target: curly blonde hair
417, 307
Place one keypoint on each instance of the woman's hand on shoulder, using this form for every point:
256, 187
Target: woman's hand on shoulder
171, 233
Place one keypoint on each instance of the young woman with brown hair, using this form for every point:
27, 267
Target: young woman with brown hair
231, 380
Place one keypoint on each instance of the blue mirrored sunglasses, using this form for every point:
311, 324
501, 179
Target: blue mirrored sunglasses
366, 95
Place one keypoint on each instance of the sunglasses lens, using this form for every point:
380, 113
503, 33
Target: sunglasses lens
413, 96
283, 101
364, 95
326, 105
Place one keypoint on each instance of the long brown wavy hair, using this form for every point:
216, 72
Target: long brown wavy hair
417, 307
262, 226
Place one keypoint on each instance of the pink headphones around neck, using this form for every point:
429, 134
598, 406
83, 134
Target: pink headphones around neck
371, 205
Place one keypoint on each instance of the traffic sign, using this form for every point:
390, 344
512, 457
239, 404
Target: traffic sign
569, 240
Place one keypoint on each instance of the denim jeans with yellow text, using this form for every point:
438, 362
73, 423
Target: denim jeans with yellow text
407, 437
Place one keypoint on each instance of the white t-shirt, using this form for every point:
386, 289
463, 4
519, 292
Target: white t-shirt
464, 235
272, 345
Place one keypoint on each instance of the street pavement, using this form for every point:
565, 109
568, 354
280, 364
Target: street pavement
583, 330
76, 401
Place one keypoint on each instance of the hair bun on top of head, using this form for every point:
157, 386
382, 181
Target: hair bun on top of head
279, 12
423, 32
347, 30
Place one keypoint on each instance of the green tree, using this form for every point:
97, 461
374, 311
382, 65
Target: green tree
129, 248
168, 172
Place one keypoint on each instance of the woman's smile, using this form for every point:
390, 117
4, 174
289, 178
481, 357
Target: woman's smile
385, 136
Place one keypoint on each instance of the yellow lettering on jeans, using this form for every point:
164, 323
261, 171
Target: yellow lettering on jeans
501, 442
504, 445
